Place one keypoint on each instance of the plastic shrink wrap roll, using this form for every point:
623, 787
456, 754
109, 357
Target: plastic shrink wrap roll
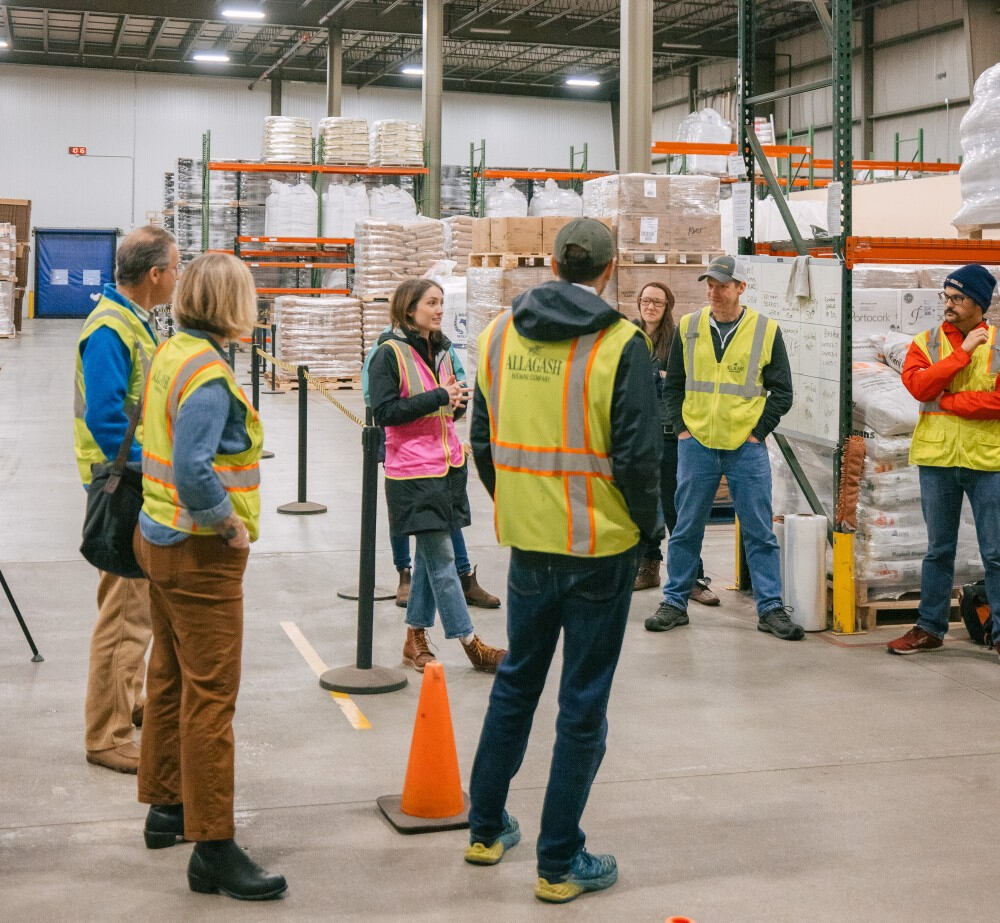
805, 569
505, 201
979, 133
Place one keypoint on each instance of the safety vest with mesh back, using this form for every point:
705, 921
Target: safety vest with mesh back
943, 439
428, 446
141, 346
549, 406
724, 400
182, 365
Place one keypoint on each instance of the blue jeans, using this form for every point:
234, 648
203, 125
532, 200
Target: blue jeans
435, 585
401, 552
748, 473
588, 600
941, 491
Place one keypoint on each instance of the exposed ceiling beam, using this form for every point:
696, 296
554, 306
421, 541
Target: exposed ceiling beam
154, 37
520, 12
194, 31
119, 35
479, 12
83, 33
391, 7
45, 29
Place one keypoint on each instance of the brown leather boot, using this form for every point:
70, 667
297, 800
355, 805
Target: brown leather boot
475, 595
484, 658
648, 575
416, 650
403, 590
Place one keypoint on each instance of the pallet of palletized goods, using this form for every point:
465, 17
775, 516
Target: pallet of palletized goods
667, 257
870, 613
509, 260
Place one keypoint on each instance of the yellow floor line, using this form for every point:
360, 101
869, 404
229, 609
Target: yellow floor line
344, 702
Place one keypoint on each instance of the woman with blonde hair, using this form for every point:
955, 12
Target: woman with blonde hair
201, 510
416, 397
656, 304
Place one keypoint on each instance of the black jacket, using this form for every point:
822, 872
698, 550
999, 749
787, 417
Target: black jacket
561, 311
415, 504
777, 383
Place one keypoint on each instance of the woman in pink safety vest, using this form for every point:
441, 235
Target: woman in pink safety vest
415, 396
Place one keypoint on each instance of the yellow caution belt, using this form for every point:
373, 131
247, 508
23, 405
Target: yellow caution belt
294, 371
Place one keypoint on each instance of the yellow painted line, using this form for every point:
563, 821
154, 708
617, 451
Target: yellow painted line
344, 702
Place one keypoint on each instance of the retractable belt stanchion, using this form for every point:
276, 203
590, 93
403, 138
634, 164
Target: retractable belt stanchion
232, 355
363, 678
36, 657
302, 506
255, 362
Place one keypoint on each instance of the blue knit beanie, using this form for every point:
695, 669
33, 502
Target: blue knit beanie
974, 281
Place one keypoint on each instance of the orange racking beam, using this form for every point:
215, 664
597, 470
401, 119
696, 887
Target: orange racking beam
303, 291
343, 241
916, 250
698, 147
918, 166
542, 174
352, 169
288, 265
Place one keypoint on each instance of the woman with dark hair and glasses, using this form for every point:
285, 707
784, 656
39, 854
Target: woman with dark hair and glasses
416, 397
656, 304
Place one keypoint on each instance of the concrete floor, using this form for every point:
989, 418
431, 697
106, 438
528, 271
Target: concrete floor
746, 779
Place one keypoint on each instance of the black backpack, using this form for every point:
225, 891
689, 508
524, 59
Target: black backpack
975, 609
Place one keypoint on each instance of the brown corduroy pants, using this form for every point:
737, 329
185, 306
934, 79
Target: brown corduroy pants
117, 660
196, 603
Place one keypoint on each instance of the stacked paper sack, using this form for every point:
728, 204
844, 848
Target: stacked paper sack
374, 319
287, 139
323, 333
465, 235
8, 260
387, 252
345, 141
394, 142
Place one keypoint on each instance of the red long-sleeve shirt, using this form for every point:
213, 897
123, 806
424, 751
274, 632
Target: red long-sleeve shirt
926, 380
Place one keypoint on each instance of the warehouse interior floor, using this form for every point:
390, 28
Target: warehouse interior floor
746, 779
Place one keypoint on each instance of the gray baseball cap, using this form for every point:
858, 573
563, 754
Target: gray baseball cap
724, 269
589, 235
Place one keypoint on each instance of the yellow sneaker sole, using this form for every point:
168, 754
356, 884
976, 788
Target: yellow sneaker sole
480, 854
558, 893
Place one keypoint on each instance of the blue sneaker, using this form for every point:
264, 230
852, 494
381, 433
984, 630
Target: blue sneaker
586, 873
481, 854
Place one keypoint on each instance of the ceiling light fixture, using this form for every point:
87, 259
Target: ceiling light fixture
3, 43
412, 71
211, 57
243, 14
582, 82
485, 31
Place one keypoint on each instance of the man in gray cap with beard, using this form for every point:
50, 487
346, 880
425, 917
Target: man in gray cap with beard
728, 383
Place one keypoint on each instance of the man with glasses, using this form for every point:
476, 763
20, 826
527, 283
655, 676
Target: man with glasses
728, 384
113, 355
952, 370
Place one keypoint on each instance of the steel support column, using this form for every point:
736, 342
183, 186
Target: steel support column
334, 70
868, 82
745, 73
636, 86
276, 93
433, 81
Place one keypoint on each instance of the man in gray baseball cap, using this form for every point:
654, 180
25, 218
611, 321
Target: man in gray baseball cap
561, 434
725, 269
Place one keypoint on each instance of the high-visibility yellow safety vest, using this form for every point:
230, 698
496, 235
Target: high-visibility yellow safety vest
428, 446
141, 346
724, 400
182, 365
943, 439
550, 436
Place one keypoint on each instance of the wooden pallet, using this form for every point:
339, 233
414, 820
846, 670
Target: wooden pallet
667, 257
975, 231
869, 613
334, 383
509, 260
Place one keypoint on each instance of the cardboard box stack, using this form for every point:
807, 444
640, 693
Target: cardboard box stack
667, 229
17, 213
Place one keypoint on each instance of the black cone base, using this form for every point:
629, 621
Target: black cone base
306, 508
355, 681
351, 592
406, 823
266, 453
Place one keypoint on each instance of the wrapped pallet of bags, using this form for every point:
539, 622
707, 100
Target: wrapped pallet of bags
979, 133
380, 258
395, 142
345, 140
505, 201
424, 245
484, 289
321, 332
344, 205
554, 202
287, 139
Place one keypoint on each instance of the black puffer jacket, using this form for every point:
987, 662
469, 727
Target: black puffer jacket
562, 311
416, 504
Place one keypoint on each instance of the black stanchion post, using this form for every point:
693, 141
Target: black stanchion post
302, 506
36, 657
363, 678
274, 389
255, 364
232, 355
274, 355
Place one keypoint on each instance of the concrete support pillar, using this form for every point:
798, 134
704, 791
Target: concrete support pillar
334, 70
982, 36
636, 84
868, 83
276, 93
433, 82
693, 88
616, 129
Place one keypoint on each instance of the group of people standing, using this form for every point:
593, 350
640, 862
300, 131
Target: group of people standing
590, 433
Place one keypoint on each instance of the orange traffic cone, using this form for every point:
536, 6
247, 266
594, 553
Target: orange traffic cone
432, 796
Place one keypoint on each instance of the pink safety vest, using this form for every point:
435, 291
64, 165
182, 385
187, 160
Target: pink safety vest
427, 447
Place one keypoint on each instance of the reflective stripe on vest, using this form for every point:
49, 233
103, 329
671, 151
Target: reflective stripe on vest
749, 388
934, 352
576, 461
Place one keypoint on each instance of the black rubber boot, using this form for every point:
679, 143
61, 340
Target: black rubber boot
221, 866
164, 825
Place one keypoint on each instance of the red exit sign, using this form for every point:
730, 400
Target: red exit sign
78, 151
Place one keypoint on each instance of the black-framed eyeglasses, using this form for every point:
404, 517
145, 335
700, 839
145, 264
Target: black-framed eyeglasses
651, 303
945, 298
